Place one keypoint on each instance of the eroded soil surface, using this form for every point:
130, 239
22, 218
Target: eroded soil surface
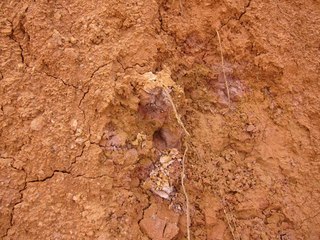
91, 147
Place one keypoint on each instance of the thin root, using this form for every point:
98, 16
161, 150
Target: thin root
229, 220
223, 68
181, 7
175, 111
185, 193
183, 175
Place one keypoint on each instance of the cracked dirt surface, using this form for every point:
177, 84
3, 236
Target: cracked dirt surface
80, 134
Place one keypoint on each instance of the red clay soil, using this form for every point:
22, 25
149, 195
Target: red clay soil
90, 143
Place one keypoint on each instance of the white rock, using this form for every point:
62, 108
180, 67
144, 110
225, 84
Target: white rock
37, 123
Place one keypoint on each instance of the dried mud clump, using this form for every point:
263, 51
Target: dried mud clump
159, 223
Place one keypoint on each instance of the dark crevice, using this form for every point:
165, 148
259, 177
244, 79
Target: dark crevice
97, 144
118, 61
95, 71
238, 18
98, 68
124, 68
73, 86
22, 53
79, 155
161, 8
49, 177
244, 11
20, 200
160, 18
80, 102
11, 36
145, 208
164, 230
94, 177
61, 80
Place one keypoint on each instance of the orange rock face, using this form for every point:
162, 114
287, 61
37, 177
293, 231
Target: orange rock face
93, 97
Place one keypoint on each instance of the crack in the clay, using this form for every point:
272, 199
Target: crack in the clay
118, 61
160, 18
91, 178
61, 80
79, 155
49, 177
77, 88
124, 68
98, 68
309, 218
238, 18
164, 230
82, 98
85, 92
20, 200
161, 23
95, 71
80, 102
20, 47
12, 37
244, 10
26, 182
97, 144
145, 208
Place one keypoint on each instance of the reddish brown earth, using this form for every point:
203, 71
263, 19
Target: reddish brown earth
86, 126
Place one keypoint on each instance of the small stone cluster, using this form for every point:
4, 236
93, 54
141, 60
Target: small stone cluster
166, 174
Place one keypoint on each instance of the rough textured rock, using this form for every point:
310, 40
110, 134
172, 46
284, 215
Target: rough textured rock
160, 224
